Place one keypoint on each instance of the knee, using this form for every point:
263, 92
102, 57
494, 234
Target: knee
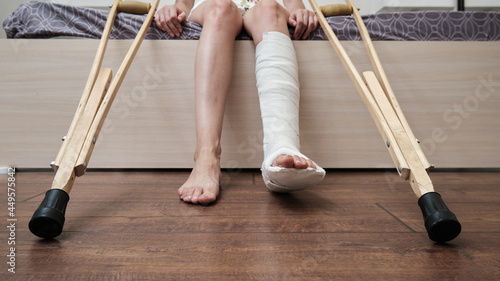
222, 11
271, 9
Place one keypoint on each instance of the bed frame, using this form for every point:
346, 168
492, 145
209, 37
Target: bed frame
449, 91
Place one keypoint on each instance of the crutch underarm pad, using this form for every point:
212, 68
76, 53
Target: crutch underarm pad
48, 220
441, 224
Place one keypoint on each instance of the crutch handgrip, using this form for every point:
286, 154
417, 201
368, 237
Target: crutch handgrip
441, 224
336, 10
134, 7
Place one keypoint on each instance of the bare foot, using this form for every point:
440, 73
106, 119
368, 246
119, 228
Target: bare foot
202, 186
289, 161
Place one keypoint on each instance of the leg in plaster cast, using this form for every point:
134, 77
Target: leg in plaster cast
284, 168
221, 21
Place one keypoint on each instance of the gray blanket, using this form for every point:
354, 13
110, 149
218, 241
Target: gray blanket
45, 20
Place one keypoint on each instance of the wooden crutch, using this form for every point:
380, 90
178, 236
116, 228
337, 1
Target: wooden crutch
441, 224
78, 144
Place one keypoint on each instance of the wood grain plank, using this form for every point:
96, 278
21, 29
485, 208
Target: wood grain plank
474, 217
131, 226
260, 257
151, 124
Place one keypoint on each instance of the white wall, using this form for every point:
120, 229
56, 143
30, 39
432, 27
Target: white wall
424, 3
439, 3
482, 3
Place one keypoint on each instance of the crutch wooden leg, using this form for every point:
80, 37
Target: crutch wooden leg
131, 7
384, 82
441, 224
90, 83
100, 91
48, 219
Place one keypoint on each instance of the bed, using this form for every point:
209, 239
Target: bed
46, 20
443, 66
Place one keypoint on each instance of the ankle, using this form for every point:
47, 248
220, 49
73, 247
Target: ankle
208, 153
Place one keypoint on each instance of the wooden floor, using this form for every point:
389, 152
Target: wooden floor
355, 225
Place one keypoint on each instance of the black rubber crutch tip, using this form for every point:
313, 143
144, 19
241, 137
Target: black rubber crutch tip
48, 220
441, 224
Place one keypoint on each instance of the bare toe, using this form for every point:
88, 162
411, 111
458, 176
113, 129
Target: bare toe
310, 164
299, 162
285, 161
295, 161
187, 196
196, 195
181, 191
207, 198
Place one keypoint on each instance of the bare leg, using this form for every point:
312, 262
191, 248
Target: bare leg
221, 23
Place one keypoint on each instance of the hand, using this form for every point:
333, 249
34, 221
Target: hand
169, 19
304, 21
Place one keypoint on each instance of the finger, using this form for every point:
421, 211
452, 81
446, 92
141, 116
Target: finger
299, 29
157, 21
298, 25
177, 27
160, 18
157, 17
292, 21
173, 21
167, 29
305, 20
310, 28
305, 16
173, 28
163, 23
182, 17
